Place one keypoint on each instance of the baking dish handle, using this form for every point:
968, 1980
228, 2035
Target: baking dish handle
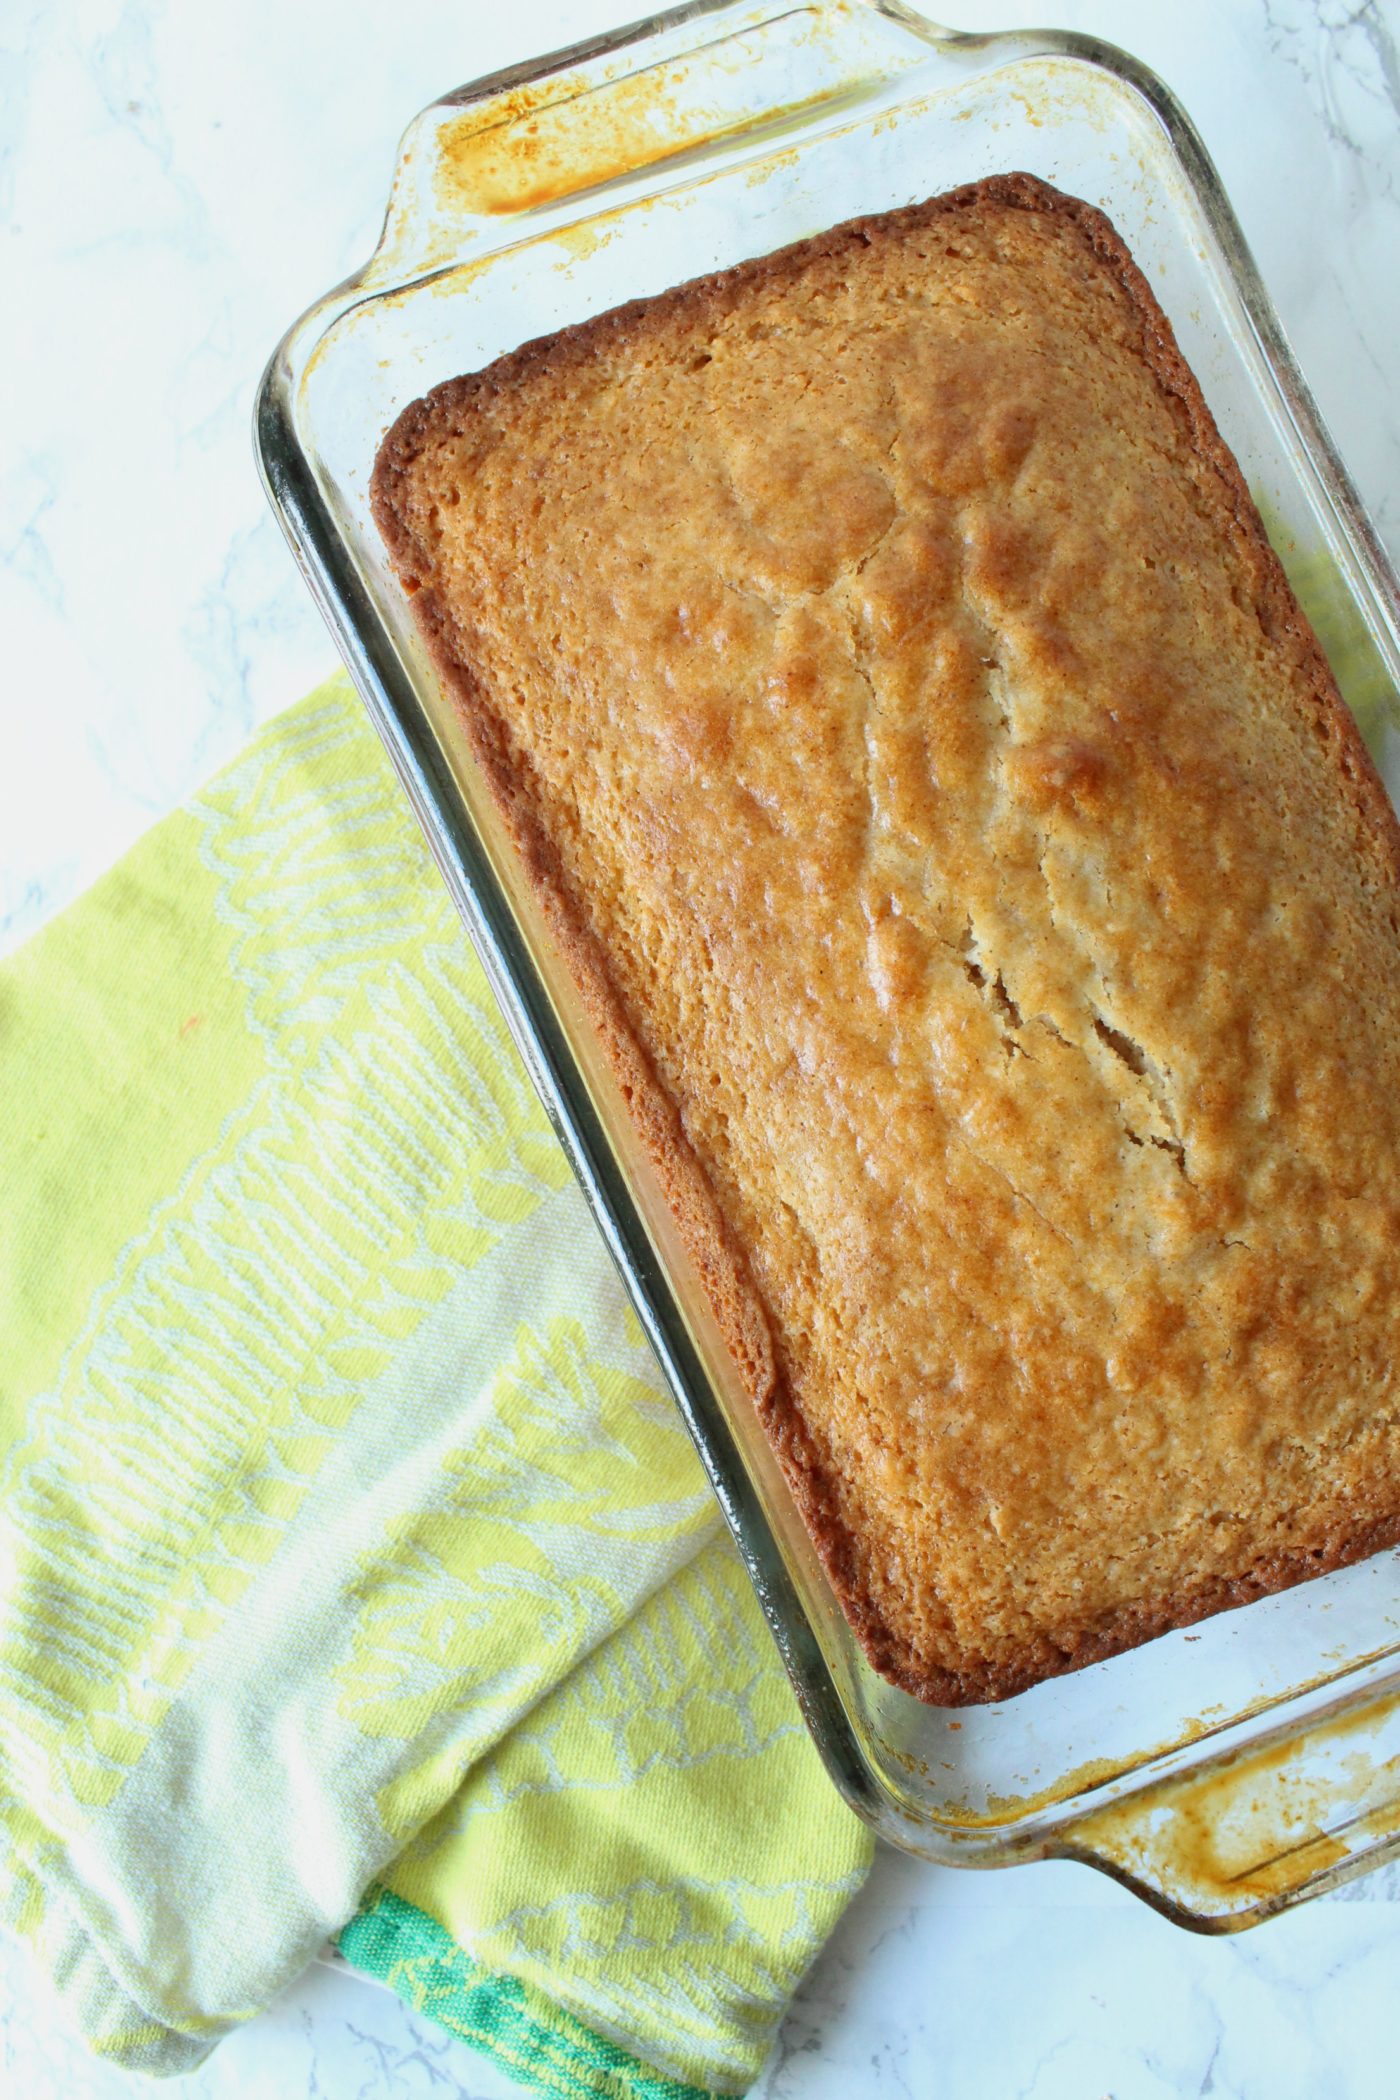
690, 84
1253, 1832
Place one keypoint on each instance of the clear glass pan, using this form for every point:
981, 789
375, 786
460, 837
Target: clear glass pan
1222, 1772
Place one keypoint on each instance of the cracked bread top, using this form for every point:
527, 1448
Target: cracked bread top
984, 896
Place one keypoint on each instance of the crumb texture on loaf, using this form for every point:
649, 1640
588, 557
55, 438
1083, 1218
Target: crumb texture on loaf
882, 667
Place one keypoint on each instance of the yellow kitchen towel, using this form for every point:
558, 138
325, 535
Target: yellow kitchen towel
356, 1573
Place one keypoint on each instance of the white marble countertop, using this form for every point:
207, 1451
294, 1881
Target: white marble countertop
178, 182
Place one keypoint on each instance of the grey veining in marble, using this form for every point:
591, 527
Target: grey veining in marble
176, 182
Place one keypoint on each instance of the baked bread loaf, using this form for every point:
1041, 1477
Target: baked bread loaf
984, 897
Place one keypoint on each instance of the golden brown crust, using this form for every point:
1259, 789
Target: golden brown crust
1354, 1513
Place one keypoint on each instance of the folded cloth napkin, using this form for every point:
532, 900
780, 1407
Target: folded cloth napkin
350, 1542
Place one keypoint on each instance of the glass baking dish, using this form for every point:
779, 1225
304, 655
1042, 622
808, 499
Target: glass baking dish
1221, 1772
